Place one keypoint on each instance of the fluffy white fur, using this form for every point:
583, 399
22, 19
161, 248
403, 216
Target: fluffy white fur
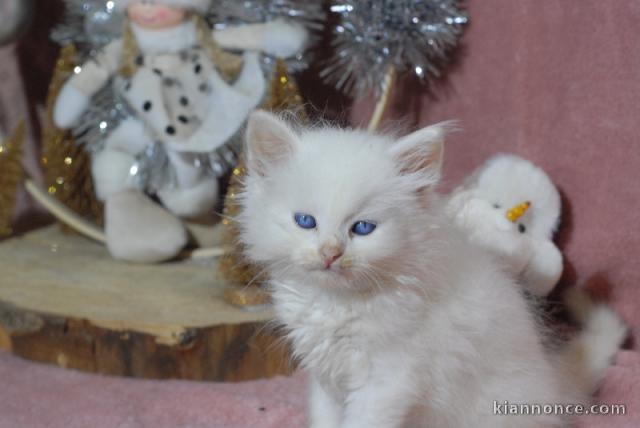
412, 326
480, 206
166, 40
197, 5
279, 38
76, 103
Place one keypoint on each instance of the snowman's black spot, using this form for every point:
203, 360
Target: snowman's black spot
127, 86
157, 71
496, 206
139, 60
147, 106
522, 228
203, 87
184, 101
197, 69
170, 130
168, 82
183, 119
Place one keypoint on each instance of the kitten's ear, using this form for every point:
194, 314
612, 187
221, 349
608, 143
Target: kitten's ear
422, 152
269, 141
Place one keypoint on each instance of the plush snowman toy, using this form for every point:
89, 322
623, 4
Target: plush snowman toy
512, 208
181, 99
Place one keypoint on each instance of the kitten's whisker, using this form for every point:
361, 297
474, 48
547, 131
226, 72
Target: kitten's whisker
372, 276
232, 219
281, 284
270, 266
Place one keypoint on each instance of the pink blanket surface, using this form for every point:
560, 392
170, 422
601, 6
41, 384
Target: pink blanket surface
35, 395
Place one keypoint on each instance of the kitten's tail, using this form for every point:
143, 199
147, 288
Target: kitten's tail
589, 354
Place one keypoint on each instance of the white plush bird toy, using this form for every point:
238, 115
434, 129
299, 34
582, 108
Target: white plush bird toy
511, 207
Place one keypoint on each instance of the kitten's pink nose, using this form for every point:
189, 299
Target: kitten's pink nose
330, 253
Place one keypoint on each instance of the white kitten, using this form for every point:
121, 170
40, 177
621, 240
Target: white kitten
400, 321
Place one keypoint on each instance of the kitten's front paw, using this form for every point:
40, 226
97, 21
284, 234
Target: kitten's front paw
330, 419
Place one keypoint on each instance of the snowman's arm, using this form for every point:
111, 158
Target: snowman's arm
76, 93
544, 268
278, 38
457, 203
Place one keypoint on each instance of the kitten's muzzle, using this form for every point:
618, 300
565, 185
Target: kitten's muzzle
330, 253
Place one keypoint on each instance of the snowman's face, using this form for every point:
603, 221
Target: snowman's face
508, 181
155, 16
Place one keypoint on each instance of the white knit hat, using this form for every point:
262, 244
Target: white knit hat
197, 5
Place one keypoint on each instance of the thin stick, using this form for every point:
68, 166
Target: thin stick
65, 215
383, 102
206, 253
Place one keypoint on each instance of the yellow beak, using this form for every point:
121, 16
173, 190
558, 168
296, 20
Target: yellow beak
518, 211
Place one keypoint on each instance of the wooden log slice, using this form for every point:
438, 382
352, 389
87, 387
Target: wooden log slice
64, 301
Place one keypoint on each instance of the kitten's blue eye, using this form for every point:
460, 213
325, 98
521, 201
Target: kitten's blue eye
305, 221
363, 228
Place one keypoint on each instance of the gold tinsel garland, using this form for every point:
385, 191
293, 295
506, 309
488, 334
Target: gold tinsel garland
67, 166
283, 95
11, 175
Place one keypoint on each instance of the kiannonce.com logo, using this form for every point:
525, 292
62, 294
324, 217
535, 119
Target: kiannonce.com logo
506, 408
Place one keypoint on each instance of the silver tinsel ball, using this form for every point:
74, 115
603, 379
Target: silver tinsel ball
372, 36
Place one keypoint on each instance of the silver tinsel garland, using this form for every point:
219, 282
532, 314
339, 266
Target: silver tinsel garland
104, 114
92, 24
373, 36
89, 24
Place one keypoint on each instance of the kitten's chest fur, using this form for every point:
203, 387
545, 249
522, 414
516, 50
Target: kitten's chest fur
330, 338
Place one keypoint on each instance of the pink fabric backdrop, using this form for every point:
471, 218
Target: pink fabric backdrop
557, 82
